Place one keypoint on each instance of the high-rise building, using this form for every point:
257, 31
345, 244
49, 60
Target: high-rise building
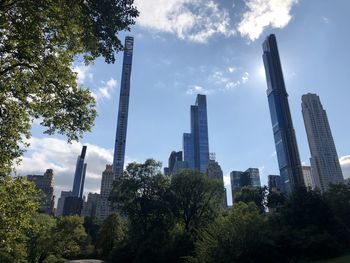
282, 125
239, 179
89, 207
103, 207
175, 163
45, 184
61, 200
120, 140
307, 176
72, 205
324, 160
196, 143
214, 172
79, 176
274, 182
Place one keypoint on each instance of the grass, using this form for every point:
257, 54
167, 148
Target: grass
342, 259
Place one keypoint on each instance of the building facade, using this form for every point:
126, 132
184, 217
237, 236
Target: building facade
196, 143
123, 111
239, 179
61, 200
79, 176
214, 172
89, 207
45, 183
324, 158
175, 162
274, 182
282, 125
103, 207
307, 176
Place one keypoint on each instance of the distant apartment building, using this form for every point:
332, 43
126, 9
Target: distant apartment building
89, 207
60, 203
274, 182
214, 172
324, 160
45, 183
103, 207
175, 163
239, 179
307, 176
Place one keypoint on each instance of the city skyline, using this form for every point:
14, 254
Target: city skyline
168, 72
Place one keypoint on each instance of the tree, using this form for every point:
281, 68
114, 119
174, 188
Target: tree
196, 199
39, 40
142, 195
69, 237
18, 203
242, 236
39, 241
252, 194
113, 231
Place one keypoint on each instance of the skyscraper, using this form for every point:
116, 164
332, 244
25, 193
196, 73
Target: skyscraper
196, 143
120, 140
61, 200
251, 177
103, 207
307, 176
325, 167
282, 125
274, 182
214, 172
79, 176
45, 184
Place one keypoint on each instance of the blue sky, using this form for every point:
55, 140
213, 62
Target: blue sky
185, 47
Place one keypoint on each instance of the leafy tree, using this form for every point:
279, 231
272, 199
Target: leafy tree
241, 236
69, 237
113, 231
39, 41
18, 203
196, 199
142, 195
275, 200
39, 237
338, 198
92, 227
252, 194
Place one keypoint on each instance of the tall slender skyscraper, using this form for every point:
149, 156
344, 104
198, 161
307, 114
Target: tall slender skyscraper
282, 125
325, 167
119, 148
196, 143
79, 176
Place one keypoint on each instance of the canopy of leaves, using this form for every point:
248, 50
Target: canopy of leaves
39, 40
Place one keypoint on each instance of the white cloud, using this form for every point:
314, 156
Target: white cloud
83, 73
245, 77
345, 165
325, 19
264, 13
195, 89
231, 69
193, 20
105, 90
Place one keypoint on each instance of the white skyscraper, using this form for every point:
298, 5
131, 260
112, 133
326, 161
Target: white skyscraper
103, 208
324, 160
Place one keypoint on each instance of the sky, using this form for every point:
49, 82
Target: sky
186, 47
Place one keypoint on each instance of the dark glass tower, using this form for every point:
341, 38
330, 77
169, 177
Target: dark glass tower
119, 148
79, 176
282, 125
196, 143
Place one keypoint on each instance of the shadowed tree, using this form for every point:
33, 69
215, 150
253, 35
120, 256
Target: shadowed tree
39, 41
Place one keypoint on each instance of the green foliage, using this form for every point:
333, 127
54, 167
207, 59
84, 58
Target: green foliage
18, 203
39, 237
39, 40
252, 194
196, 199
69, 237
242, 237
112, 233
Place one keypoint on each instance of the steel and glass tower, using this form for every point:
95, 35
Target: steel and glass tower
196, 143
282, 125
79, 176
119, 148
325, 167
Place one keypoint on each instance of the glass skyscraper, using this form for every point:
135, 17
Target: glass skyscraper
282, 125
325, 167
120, 140
79, 176
196, 143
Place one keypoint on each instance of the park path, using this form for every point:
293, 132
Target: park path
87, 261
